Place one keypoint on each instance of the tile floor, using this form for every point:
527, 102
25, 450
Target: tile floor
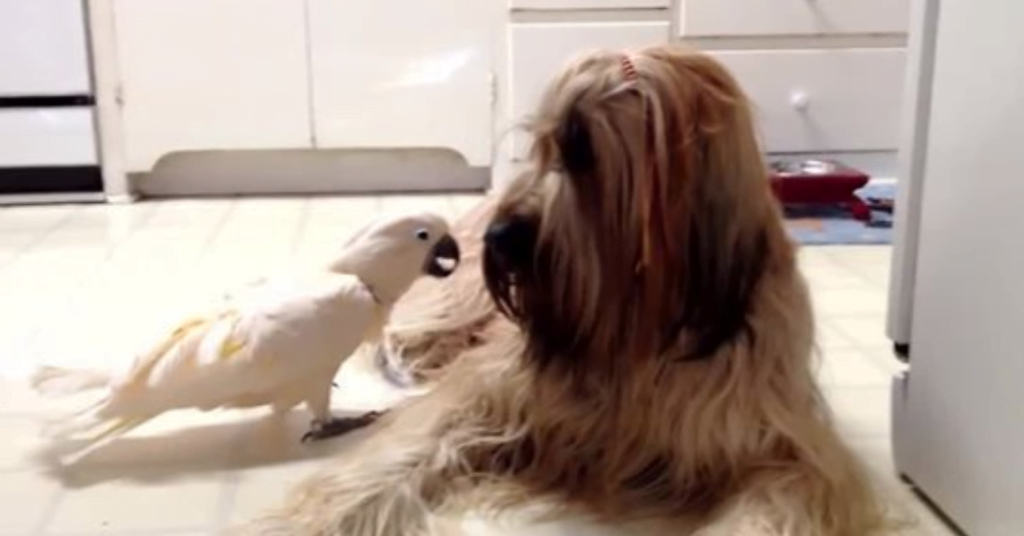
82, 285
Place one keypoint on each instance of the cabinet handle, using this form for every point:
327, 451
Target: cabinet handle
799, 100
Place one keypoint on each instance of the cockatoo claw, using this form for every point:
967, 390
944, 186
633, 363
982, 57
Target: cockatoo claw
339, 426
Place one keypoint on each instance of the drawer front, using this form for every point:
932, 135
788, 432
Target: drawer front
588, 4
701, 18
822, 100
539, 51
47, 137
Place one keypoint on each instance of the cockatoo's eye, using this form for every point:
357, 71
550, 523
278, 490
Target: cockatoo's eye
422, 234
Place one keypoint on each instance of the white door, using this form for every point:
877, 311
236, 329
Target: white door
212, 74
963, 425
404, 74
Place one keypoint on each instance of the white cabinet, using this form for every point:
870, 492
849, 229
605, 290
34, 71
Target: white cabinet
43, 48
822, 100
825, 76
47, 137
540, 50
541, 5
283, 74
211, 74
403, 73
699, 18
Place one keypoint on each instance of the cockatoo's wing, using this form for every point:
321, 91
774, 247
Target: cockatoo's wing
256, 350
271, 350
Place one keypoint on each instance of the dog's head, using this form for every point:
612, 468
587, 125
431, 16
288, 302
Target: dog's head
644, 221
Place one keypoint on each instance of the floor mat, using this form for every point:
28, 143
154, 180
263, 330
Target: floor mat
827, 224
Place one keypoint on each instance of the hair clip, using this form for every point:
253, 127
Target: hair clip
628, 69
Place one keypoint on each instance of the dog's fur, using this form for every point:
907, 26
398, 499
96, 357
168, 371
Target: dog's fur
658, 361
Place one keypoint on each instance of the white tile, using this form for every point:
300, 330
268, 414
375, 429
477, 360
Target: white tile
869, 255
17, 399
851, 368
464, 202
260, 489
189, 212
392, 204
344, 207
126, 506
15, 241
17, 341
860, 412
866, 331
872, 264
875, 453
810, 257
829, 337
859, 299
40, 218
22, 441
25, 499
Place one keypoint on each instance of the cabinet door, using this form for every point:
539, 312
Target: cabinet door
43, 48
540, 50
822, 100
211, 74
404, 74
587, 4
703, 18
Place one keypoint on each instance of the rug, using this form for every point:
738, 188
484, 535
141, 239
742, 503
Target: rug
832, 225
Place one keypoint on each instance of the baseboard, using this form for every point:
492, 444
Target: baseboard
275, 172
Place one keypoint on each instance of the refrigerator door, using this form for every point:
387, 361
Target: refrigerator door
962, 422
913, 142
43, 48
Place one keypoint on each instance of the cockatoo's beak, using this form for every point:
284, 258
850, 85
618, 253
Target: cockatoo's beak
443, 258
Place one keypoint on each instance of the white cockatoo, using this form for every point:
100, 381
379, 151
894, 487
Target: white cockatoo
280, 343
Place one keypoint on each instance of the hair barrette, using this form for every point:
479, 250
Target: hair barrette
628, 69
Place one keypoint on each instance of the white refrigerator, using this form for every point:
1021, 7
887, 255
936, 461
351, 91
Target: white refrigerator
957, 295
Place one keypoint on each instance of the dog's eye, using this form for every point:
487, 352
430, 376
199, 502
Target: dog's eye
422, 234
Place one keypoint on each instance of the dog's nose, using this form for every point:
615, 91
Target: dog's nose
511, 240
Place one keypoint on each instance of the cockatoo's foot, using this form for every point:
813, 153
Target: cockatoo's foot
335, 427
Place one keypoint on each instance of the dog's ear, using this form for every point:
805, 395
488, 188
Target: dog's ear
575, 142
720, 278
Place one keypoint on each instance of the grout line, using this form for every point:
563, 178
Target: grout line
75, 292
300, 230
42, 235
226, 501
49, 512
206, 247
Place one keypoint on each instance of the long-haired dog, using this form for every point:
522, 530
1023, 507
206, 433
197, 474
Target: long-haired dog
652, 358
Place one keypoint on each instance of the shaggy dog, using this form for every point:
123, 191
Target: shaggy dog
639, 346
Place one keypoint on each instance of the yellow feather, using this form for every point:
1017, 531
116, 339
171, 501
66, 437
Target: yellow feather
144, 367
230, 347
